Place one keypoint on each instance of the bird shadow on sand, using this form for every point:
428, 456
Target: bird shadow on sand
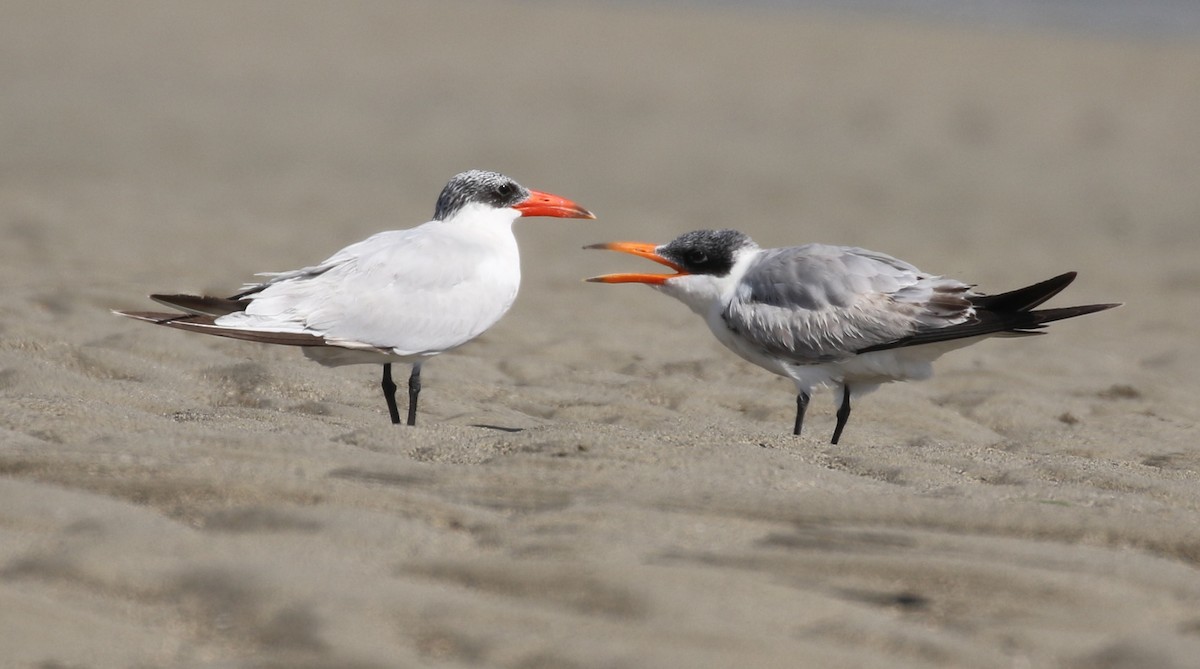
500, 428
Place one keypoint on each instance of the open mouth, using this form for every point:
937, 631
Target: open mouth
644, 250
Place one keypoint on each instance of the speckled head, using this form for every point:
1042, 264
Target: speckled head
703, 253
711, 252
480, 186
495, 190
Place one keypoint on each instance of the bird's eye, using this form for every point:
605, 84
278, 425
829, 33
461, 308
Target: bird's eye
697, 257
506, 190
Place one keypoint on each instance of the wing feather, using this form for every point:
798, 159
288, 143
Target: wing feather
205, 324
394, 290
819, 303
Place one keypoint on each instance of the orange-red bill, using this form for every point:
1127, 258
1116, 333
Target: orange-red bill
643, 250
546, 204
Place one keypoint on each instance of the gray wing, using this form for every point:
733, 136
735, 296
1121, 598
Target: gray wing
817, 303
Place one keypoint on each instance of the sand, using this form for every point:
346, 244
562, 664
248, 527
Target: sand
595, 482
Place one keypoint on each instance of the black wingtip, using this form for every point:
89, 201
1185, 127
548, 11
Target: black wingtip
200, 304
156, 317
993, 322
1027, 298
1041, 317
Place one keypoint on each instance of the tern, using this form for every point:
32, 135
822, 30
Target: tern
397, 296
835, 316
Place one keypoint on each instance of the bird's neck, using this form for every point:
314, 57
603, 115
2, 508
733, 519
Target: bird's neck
704, 293
479, 224
700, 292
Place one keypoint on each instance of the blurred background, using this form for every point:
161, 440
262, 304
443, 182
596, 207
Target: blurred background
930, 130
209, 141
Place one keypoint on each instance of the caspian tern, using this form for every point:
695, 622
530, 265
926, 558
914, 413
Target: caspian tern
837, 316
397, 296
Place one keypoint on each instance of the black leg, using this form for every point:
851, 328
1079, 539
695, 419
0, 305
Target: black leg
843, 414
389, 392
414, 389
801, 407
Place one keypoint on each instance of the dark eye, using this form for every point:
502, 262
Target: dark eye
506, 190
697, 257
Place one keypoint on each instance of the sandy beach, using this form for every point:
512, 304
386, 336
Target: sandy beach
595, 482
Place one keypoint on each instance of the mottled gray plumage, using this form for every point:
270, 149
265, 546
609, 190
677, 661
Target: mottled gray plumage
820, 303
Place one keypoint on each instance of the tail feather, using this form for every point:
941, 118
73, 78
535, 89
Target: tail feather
992, 323
1025, 299
206, 324
1010, 313
1038, 319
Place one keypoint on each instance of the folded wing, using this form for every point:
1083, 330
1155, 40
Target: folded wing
820, 303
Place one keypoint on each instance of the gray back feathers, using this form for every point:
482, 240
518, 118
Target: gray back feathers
817, 303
